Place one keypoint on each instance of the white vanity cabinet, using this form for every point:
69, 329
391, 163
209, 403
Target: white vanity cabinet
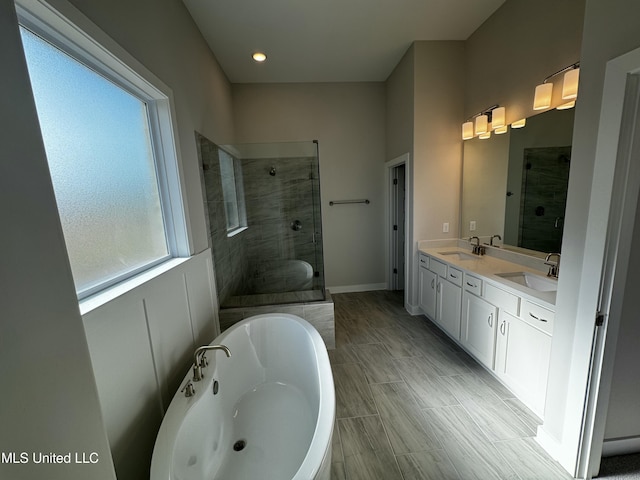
449, 303
478, 326
522, 360
427, 288
503, 328
440, 294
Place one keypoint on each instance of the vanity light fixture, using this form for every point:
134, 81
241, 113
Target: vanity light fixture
485, 135
498, 117
542, 96
501, 130
259, 57
478, 124
519, 123
467, 130
566, 106
482, 124
544, 91
570, 84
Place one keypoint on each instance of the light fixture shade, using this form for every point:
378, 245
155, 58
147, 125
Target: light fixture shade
498, 117
566, 106
500, 130
519, 124
485, 135
482, 124
570, 84
467, 130
542, 97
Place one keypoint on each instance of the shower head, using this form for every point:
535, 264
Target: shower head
272, 172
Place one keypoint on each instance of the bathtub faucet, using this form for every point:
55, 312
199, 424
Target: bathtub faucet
200, 361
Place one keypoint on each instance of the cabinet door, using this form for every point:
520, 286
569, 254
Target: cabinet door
448, 307
427, 293
479, 319
522, 360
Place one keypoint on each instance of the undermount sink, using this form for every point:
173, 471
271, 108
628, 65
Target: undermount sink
531, 280
459, 255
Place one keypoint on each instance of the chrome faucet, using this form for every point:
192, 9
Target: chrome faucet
477, 248
200, 361
554, 267
492, 237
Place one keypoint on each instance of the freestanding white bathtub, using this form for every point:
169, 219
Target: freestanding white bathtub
272, 417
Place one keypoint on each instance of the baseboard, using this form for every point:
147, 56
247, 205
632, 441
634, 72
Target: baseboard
413, 309
620, 446
358, 288
554, 448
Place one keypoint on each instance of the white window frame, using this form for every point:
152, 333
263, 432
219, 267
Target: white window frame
71, 31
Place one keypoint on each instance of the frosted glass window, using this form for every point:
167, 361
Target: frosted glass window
99, 148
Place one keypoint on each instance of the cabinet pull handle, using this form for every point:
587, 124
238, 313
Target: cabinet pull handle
472, 285
433, 283
503, 327
439, 287
537, 318
490, 320
452, 275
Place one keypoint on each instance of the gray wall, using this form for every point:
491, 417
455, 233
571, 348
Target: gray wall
348, 120
49, 400
516, 49
424, 111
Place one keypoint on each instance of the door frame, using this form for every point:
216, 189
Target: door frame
619, 192
389, 205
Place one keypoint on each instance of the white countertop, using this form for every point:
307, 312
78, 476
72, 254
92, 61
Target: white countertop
488, 266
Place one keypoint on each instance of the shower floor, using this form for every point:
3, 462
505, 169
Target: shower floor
257, 300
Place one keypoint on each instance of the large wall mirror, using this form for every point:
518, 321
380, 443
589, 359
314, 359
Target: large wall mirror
515, 184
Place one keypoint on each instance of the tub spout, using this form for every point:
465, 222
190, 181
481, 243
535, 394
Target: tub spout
200, 361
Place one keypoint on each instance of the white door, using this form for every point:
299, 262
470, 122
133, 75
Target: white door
620, 108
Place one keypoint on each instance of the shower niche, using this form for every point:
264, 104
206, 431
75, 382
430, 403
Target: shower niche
265, 230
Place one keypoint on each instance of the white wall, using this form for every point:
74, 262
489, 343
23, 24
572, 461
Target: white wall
141, 346
348, 120
49, 401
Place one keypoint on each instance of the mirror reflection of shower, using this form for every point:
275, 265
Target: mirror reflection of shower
271, 259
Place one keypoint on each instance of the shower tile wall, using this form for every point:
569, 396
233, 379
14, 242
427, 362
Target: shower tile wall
229, 253
544, 197
273, 203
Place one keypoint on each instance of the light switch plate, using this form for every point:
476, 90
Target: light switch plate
472, 225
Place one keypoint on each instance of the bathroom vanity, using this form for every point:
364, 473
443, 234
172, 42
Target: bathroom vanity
500, 312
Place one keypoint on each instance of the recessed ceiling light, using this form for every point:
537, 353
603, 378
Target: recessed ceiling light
259, 57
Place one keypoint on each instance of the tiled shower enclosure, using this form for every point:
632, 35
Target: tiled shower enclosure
277, 259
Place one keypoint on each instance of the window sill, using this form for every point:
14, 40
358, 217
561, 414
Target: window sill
235, 232
101, 298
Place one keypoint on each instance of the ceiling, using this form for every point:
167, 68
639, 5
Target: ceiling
328, 40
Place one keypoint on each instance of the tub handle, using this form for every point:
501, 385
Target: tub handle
189, 390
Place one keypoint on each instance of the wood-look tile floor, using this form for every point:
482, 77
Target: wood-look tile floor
410, 404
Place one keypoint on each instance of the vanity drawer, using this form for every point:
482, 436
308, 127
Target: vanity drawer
424, 260
504, 300
538, 316
454, 276
472, 284
438, 267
